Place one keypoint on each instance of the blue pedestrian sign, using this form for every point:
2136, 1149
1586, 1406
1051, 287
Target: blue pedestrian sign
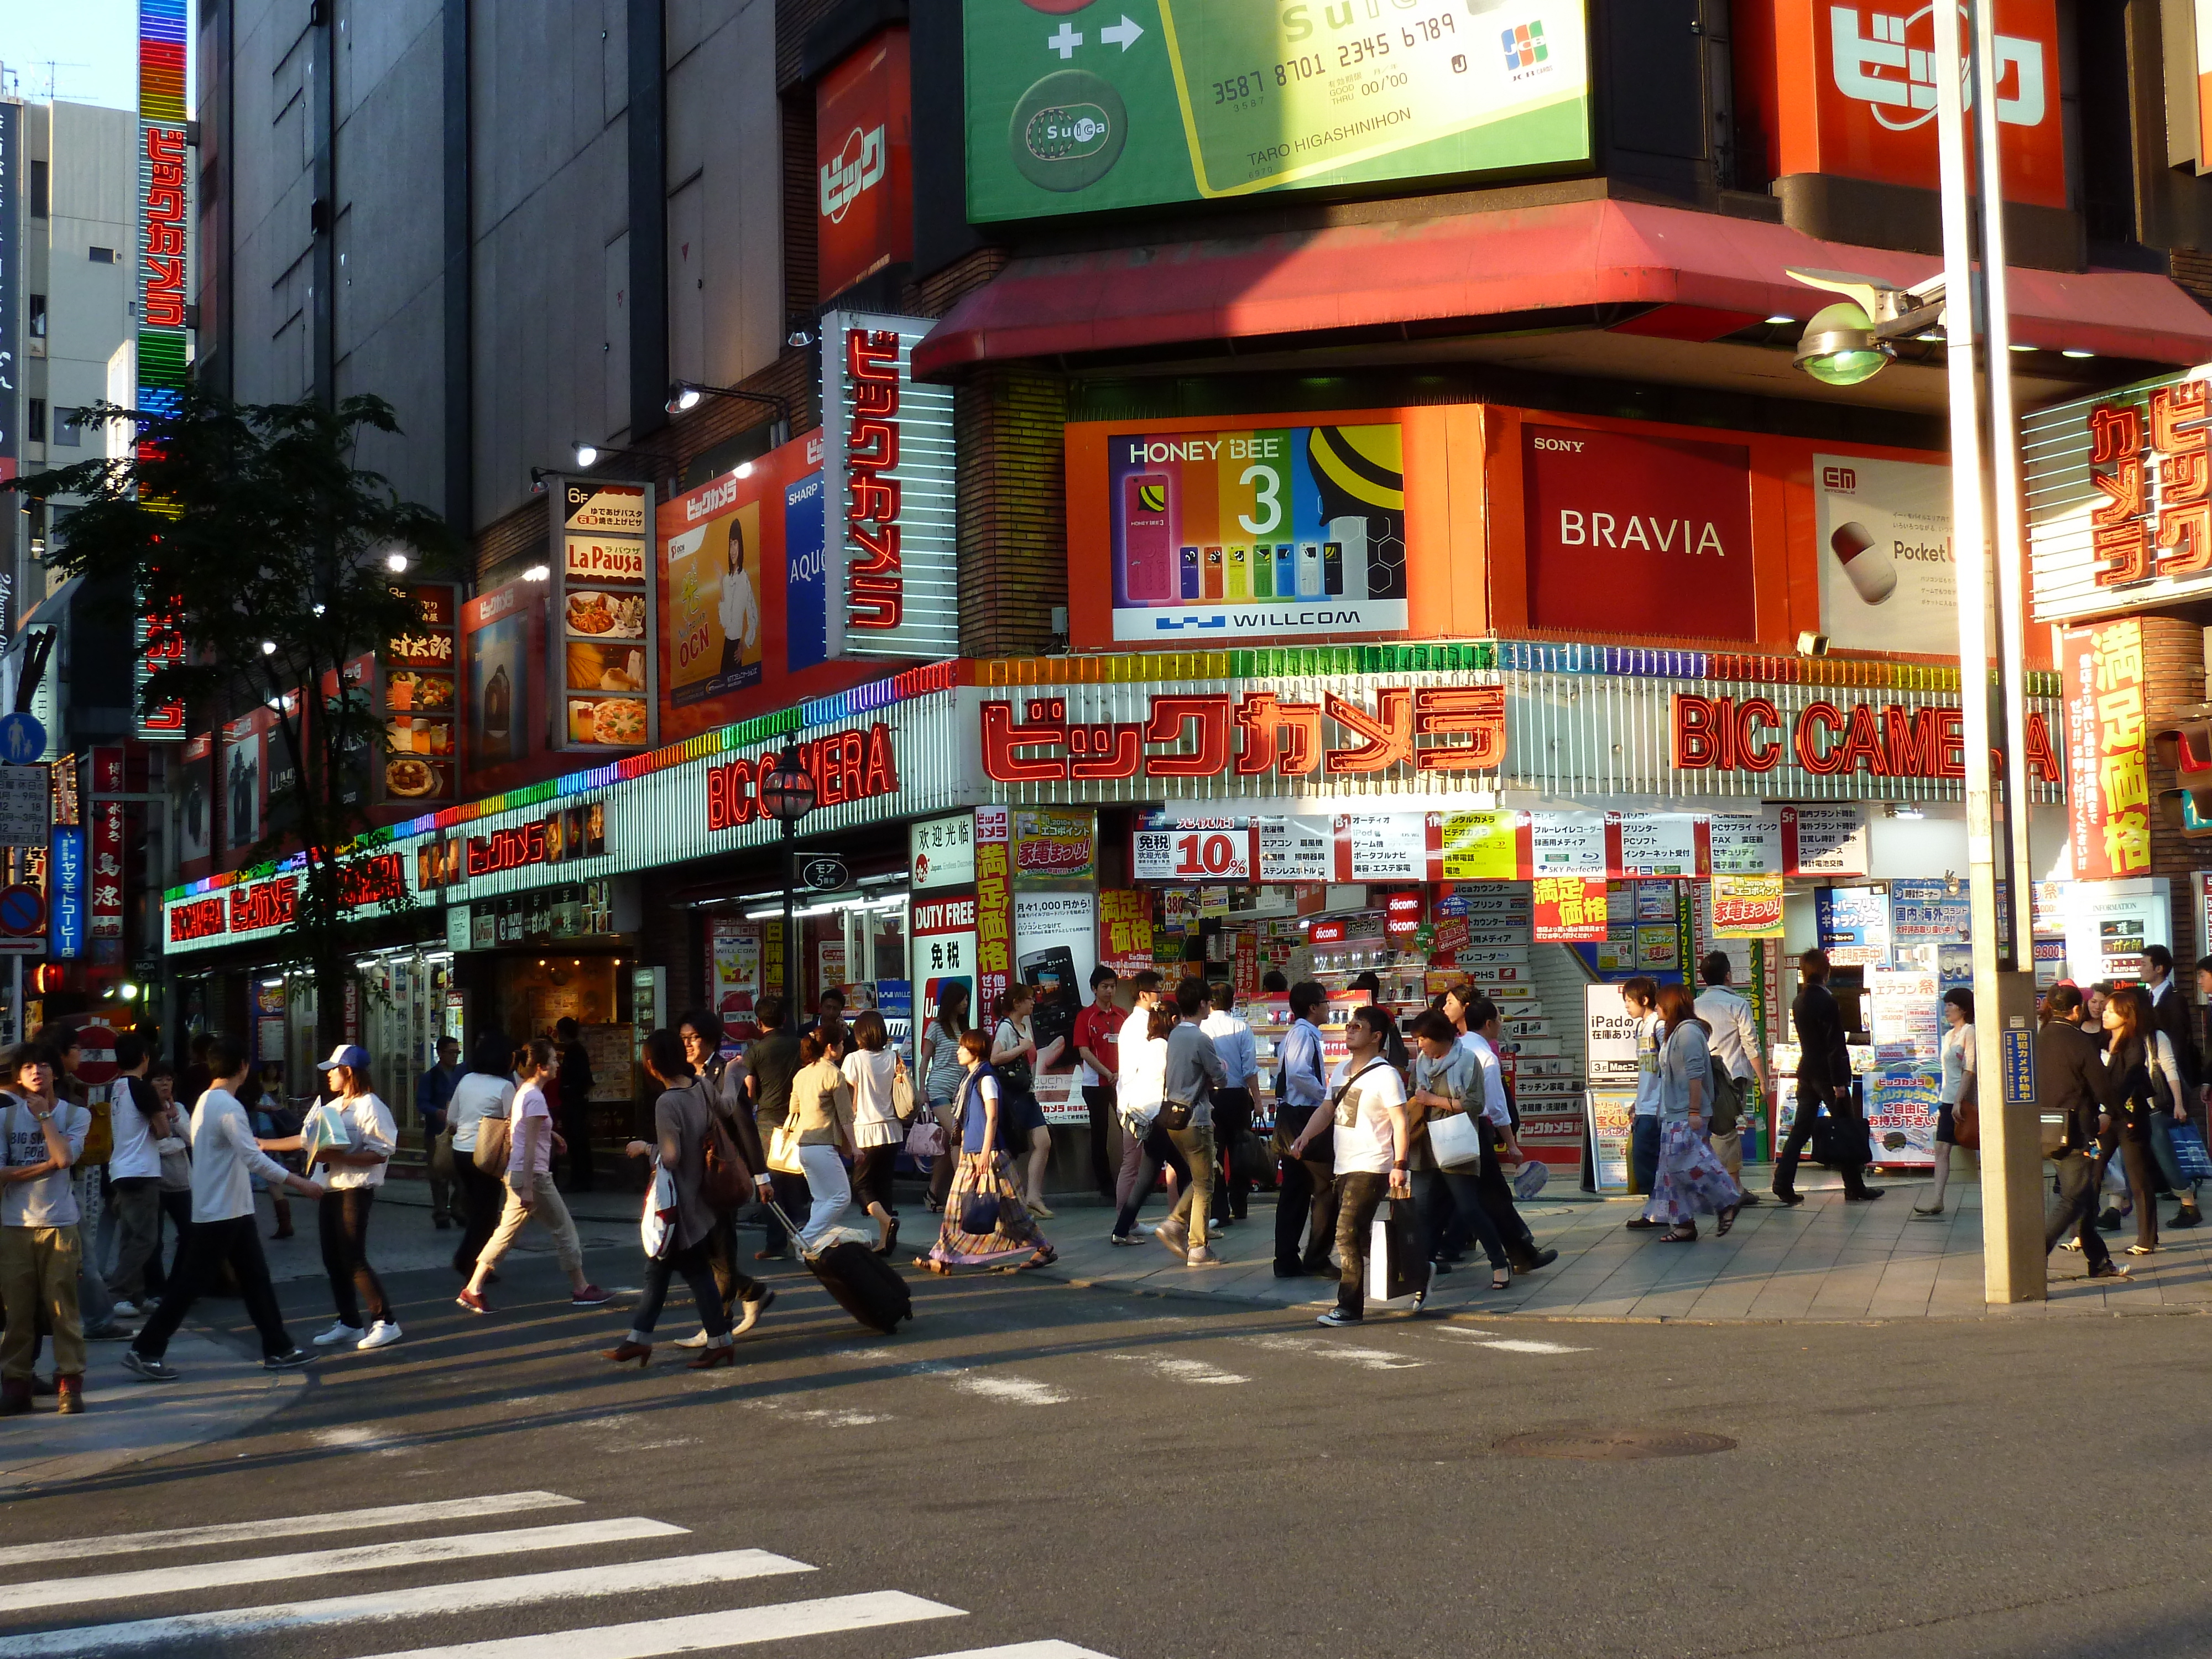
22, 740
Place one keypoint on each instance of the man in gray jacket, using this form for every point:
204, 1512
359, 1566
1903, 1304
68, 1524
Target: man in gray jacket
1193, 1073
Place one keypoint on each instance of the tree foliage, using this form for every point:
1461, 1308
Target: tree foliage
257, 549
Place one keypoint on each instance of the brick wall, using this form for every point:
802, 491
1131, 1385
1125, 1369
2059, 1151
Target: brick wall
1014, 509
519, 538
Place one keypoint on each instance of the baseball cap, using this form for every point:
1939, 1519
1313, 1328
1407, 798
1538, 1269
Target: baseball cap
346, 1053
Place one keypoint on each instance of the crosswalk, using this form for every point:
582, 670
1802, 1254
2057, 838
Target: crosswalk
567, 1595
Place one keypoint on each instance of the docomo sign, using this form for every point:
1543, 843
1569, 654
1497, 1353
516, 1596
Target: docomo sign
1894, 741
845, 766
1272, 737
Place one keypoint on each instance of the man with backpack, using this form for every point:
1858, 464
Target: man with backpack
1736, 1062
722, 1084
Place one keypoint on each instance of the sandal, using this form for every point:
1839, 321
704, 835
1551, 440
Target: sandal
1673, 1235
2142, 1249
1500, 1278
1727, 1220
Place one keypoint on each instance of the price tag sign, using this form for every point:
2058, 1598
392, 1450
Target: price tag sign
1192, 852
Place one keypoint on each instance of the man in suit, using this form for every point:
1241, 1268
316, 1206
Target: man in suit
1824, 1078
2171, 1013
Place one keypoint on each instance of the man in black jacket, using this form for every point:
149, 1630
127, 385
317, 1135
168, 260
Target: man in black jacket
2170, 1012
1824, 1078
2071, 1077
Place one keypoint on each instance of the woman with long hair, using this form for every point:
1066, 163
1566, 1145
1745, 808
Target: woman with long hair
870, 1071
1960, 1088
680, 1127
528, 1191
2132, 1058
822, 1117
986, 1223
942, 1071
1015, 1058
1690, 1179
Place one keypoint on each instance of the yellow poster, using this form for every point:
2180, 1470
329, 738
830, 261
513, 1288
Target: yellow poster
717, 636
1747, 907
1482, 847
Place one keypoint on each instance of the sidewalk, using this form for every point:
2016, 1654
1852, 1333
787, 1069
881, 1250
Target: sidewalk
1825, 1259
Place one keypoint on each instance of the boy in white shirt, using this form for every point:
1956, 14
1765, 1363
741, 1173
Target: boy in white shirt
41, 1137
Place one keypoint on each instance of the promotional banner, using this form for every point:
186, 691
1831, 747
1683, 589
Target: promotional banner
1054, 846
1668, 520
196, 814
1609, 1037
422, 699
1901, 1110
1904, 1015
1072, 109
1747, 907
1125, 929
863, 145
1888, 581
1853, 925
2107, 780
1287, 532
995, 916
1569, 909
245, 779
712, 568
944, 951
941, 852
503, 643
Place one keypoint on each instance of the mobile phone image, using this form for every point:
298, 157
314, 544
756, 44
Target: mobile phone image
1332, 568
1309, 570
1238, 581
1147, 560
1052, 971
1191, 576
1212, 587
1350, 533
1287, 586
1263, 573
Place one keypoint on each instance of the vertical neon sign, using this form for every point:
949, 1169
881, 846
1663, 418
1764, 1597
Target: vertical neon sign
164, 198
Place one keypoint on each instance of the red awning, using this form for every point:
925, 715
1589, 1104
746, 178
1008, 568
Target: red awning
1713, 275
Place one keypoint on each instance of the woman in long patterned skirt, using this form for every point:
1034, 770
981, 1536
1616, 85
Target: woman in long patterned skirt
981, 1184
1692, 1182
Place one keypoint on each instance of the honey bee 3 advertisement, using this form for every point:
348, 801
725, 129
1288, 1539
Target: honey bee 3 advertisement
1074, 106
604, 619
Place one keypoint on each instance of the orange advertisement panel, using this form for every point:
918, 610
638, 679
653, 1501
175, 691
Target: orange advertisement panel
1849, 89
2107, 782
863, 126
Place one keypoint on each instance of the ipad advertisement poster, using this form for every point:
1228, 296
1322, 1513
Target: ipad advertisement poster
1289, 532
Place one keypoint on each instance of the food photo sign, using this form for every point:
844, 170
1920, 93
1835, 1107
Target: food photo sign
605, 675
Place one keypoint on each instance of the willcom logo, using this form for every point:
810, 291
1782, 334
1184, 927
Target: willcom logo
1887, 61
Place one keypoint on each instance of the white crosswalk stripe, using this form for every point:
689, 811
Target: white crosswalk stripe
1176, 1370
555, 1592
1471, 1337
289, 1526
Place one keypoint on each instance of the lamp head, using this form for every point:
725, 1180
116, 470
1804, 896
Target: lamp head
588, 455
1838, 347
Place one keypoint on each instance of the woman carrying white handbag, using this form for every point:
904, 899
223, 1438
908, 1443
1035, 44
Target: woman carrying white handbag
1444, 1152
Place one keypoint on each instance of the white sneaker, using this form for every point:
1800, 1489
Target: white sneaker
127, 1310
381, 1335
339, 1332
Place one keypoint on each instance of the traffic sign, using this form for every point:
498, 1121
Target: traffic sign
95, 1058
23, 806
820, 874
22, 740
22, 912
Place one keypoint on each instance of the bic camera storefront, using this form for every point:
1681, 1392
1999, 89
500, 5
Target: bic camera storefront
1541, 819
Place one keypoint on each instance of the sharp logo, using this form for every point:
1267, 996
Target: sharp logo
855, 168
1887, 60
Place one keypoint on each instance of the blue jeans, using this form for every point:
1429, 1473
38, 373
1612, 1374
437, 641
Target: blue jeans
1643, 1151
2161, 1148
697, 1266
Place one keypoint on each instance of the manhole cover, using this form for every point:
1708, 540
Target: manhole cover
1613, 1445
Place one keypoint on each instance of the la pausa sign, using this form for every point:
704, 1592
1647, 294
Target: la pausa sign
1431, 728
1828, 739
845, 766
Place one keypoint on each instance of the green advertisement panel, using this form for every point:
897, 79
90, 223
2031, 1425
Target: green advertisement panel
1078, 106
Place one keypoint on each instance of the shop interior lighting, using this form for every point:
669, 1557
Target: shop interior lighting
1810, 644
1778, 320
2076, 353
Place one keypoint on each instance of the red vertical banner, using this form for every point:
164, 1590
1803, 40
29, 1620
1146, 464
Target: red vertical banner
994, 912
1568, 909
2107, 777
1247, 964
106, 883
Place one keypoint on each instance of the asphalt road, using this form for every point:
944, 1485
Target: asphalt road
1031, 1463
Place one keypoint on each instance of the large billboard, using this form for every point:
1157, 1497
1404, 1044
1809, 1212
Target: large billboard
1074, 107
605, 603
863, 143
1283, 532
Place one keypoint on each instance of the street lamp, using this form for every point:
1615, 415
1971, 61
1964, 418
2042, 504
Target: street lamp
787, 795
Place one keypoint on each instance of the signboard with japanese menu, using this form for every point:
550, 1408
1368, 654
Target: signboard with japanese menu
605, 670
421, 701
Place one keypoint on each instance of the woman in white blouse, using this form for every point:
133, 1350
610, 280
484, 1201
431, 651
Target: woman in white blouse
1958, 1089
871, 1069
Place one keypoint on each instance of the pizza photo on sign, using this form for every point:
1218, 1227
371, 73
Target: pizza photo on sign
618, 721
411, 778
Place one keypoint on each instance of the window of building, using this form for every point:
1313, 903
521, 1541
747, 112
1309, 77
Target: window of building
65, 431
100, 256
38, 190
38, 316
35, 419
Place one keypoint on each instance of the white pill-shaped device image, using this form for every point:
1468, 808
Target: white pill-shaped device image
1867, 563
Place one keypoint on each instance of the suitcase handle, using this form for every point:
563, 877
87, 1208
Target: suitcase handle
791, 1228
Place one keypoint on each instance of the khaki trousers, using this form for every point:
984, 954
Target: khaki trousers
550, 1211
38, 1272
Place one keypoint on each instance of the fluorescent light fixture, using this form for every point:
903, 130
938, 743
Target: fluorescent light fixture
2076, 353
538, 573
1777, 320
2020, 345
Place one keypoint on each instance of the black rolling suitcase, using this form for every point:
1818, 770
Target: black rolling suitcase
864, 1283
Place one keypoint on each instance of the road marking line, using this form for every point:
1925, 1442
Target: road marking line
1026, 1650
1372, 1360
1014, 1390
1182, 1371
1517, 1344
829, 1417
363, 1558
651, 1637
289, 1525
471, 1595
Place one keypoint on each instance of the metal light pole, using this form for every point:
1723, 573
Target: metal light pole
1986, 514
787, 793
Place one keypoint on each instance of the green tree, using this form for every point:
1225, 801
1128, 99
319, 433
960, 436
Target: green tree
265, 561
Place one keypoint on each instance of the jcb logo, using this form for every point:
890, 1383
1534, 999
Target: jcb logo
1888, 61
1839, 477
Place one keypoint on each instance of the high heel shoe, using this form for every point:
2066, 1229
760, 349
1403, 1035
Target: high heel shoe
889, 1242
625, 1350
725, 1355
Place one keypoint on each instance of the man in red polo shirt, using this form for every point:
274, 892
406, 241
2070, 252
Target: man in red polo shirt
1097, 1045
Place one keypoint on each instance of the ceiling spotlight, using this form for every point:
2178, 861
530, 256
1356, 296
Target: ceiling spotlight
2076, 353
799, 338
267, 648
683, 396
1777, 320
538, 573
2019, 346
744, 469
395, 562
588, 455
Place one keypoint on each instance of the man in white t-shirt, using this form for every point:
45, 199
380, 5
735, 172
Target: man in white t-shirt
134, 1172
1367, 1123
41, 1137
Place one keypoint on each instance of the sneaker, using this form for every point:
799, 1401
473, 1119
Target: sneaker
772, 1255
748, 1313
152, 1370
381, 1335
1338, 1317
130, 1310
590, 1297
340, 1332
2109, 1222
1129, 1239
473, 1301
287, 1361
1201, 1257
109, 1332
